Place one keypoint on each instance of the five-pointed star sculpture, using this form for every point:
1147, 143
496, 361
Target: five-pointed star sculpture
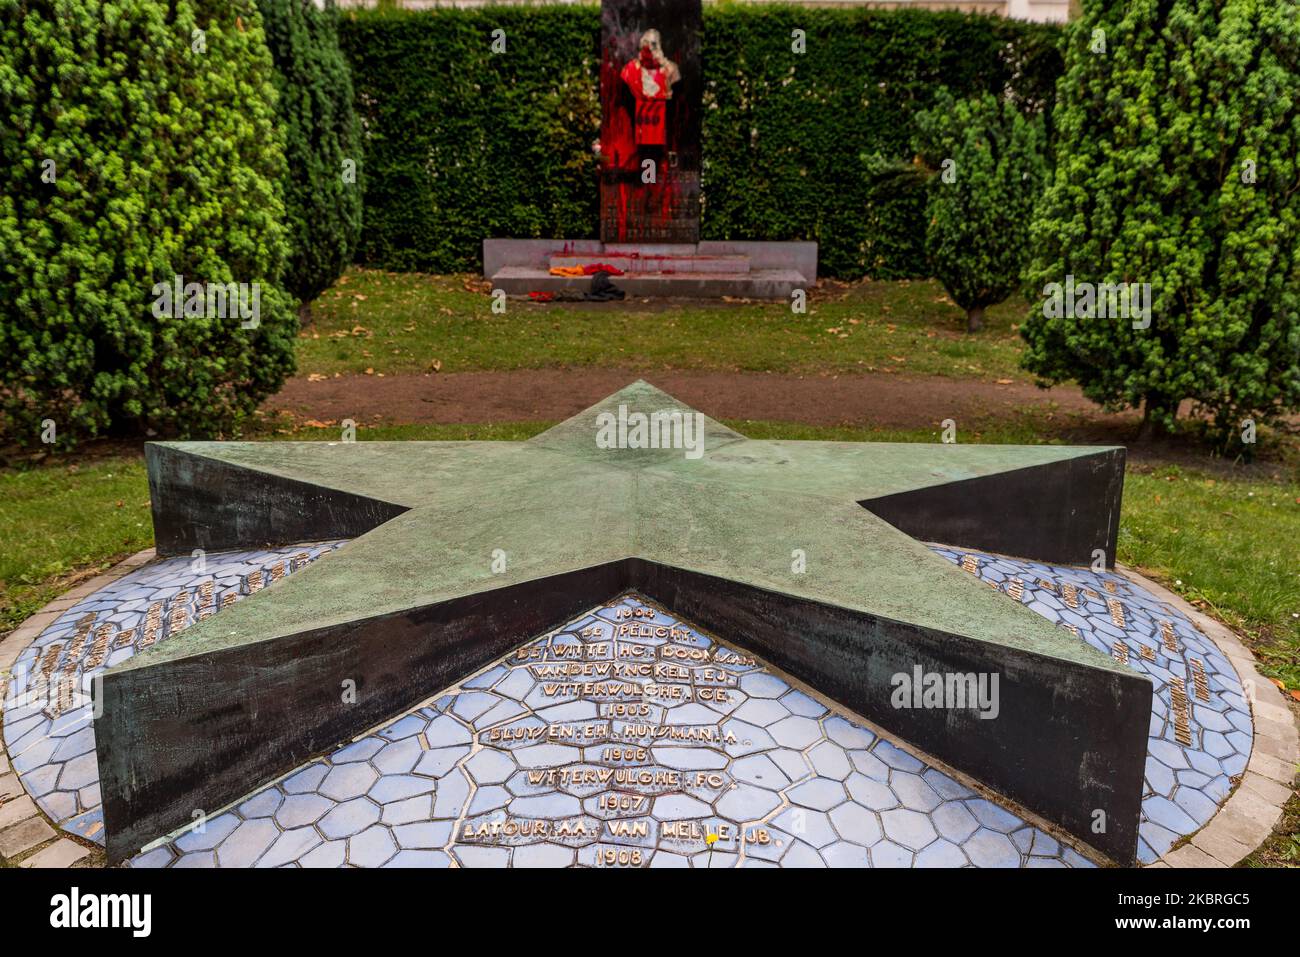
464, 550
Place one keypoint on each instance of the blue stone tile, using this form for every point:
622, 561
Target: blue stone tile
299, 810
308, 779
423, 834
896, 757
373, 847
889, 854
941, 853
262, 804
213, 832
419, 859
399, 787
987, 848
856, 823
349, 818
911, 829
247, 843
290, 847
992, 816
844, 854
820, 794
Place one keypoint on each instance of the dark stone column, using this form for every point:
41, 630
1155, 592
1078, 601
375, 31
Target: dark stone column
640, 122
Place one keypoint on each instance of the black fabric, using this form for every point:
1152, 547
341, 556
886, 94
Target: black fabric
603, 290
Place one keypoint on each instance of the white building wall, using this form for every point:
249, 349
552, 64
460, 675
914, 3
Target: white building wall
1043, 11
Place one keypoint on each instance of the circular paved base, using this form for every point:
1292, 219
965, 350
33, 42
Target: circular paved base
513, 767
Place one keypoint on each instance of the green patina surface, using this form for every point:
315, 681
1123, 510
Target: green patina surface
558, 503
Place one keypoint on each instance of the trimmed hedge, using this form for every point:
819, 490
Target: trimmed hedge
464, 144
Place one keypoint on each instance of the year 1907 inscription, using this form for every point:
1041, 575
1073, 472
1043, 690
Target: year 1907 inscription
638, 749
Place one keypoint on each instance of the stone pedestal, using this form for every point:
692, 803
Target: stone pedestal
706, 270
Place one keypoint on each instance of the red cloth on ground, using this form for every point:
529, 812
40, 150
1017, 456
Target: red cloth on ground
593, 268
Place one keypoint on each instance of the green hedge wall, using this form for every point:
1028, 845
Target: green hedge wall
464, 143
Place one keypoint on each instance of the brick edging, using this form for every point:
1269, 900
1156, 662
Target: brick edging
1248, 817
36, 841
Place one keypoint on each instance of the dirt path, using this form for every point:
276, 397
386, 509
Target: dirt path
550, 394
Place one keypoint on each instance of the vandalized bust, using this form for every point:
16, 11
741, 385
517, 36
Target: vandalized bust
650, 77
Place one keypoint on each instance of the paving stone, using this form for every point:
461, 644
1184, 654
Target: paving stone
748, 803
760, 770
989, 848
23, 836
299, 810
889, 854
911, 829
158, 857
290, 846
829, 760
436, 859
207, 833
262, 804
247, 843
423, 834
399, 787
348, 781
329, 854
914, 793
372, 847
941, 853
820, 794
482, 856
992, 816
440, 761
795, 732
490, 767
855, 823
547, 855
399, 757
844, 854
349, 818
10, 786
812, 827
20, 809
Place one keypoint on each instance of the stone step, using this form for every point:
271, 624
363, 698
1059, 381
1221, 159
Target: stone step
755, 284
651, 249
658, 263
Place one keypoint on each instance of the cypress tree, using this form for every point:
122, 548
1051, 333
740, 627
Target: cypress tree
322, 185
137, 145
985, 160
1178, 137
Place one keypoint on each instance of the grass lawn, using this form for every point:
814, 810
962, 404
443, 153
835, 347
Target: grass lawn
66, 522
403, 322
